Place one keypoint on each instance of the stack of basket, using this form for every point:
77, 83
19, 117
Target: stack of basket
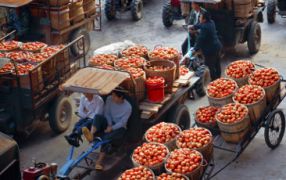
59, 14
76, 11
89, 7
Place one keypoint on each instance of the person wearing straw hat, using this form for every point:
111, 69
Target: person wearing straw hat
112, 125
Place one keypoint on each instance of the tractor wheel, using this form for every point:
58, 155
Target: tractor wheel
167, 15
136, 9
110, 9
271, 11
77, 48
180, 115
254, 38
60, 115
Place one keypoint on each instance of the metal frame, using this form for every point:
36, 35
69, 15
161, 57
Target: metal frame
238, 149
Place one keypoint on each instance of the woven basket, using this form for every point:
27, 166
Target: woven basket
60, 19
76, 11
58, 2
168, 75
89, 7
139, 90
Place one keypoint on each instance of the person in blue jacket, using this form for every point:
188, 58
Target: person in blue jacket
209, 43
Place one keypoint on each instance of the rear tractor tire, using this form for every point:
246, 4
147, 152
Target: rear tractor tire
271, 11
136, 9
167, 15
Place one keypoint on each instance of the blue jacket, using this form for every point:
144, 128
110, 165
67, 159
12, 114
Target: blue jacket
207, 40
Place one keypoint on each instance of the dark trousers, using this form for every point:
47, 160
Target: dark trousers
185, 44
85, 122
213, 63
100, 122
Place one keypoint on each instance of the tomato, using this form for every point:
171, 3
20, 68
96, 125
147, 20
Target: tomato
159, 68
184, 70
150, 154
128, 62
173, 176
194, 138
232, 113
183, 161
102, 59
155, 80
164, 53
136, 72
53, 49
105, 66
162, 132
221, 88
137, 173
207, 114
240, 69
33, 46
9, 45
249, 94
19, 56
38, 57
136, 50
264, 77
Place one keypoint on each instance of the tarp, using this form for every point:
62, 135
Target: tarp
94, 80
14, 3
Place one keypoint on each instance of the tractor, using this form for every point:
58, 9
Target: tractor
272, 6
113, 6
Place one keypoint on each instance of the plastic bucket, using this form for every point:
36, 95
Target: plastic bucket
155, 91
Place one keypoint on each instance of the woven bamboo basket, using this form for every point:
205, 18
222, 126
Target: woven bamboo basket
212, 127
58, 2
168, 75
76, 11
234, 133
60, 19
181, 176
272, 91
136, 90
89, 7
153, 178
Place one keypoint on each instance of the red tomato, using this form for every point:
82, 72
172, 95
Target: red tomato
136, 72
221, 88
33, 46
232, 113
184, 70
173, 176
240, 69
137, 173
19, 56
136, 50
103, 59
264, 77
249, 94
53, 49
9, 45
207, 114
164, 53
128, 62
162, 132
155, 80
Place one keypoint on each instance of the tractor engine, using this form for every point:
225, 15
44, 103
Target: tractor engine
40, 171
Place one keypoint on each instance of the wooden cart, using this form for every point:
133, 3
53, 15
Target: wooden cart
48, 23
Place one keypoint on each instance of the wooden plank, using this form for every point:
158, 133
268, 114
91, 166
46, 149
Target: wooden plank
14, 3
174, 90
149, 108
183, 82
146, 115
176, 84
151, 104
188, 75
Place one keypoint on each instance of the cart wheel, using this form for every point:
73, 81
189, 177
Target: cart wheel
254, 37
274, 129
110, 9
77, 48
60, 114
180, 115
271, 11
167, 15
136, 9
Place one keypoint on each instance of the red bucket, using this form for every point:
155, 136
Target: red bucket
155, 89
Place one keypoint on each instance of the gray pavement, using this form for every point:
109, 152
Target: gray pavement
258, 162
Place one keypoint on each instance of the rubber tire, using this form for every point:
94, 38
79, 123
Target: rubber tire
54, 115
267, 128
167, 15
76, 49
110, 9
254, 38
180, 115
136, 9
271, 11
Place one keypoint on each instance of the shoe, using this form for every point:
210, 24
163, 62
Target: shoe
87, 134
73, 141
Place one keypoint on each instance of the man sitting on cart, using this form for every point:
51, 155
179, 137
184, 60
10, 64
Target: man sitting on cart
90, 106
193, 20
112, 125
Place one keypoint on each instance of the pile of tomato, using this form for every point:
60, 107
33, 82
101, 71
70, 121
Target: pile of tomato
137, 173
264, 77
173, 176
103, 59
162, 132
127, 62
240, 69
33, 46
184, 70
53, 49
232, 113
249, 94
155, 80
194, 138
207, 114
19, 56
183, 161
159, 68
9, 67
38, 57
150, 154
221, 88
140, 51
9, 45
164, 53
105, 66
136, 72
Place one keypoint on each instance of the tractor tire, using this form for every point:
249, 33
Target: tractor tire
77, 48
271, 11
60, 115
254, 38
110, 9
167, 15
180, 115
136, 9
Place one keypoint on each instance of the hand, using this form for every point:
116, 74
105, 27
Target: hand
108, 129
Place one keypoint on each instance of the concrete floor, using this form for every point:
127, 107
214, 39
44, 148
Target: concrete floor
258, 162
